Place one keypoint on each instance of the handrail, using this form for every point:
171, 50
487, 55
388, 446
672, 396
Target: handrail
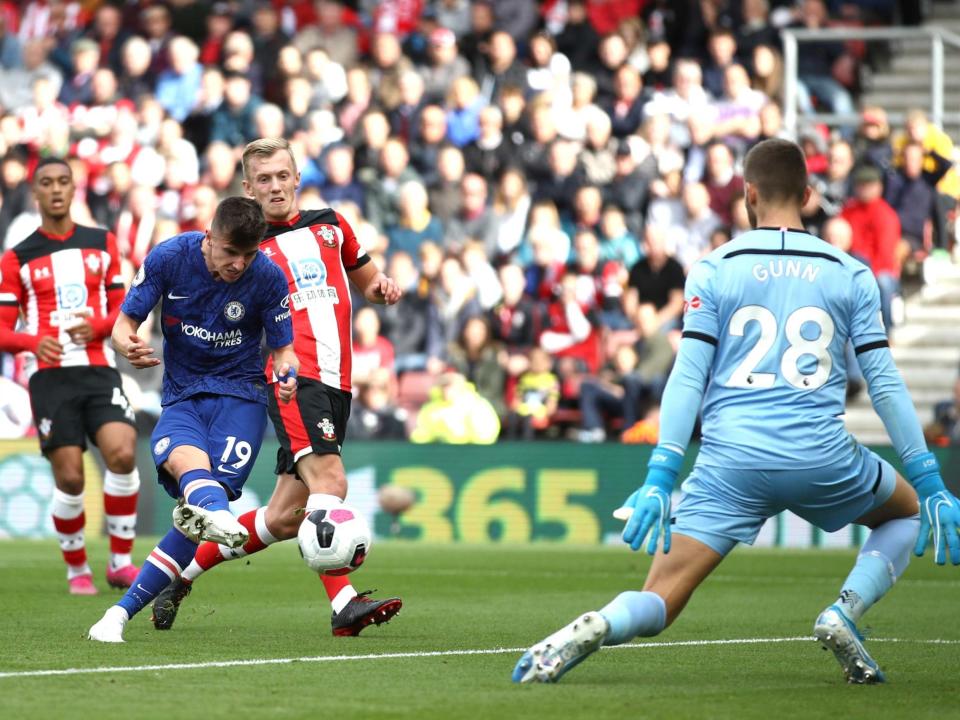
792, 37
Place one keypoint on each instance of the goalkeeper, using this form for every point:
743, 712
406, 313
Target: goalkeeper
767, 319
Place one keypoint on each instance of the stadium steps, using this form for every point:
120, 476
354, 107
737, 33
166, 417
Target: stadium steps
906, 83
926, 349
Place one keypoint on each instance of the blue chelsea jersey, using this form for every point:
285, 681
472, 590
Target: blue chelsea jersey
211, 328
780, 306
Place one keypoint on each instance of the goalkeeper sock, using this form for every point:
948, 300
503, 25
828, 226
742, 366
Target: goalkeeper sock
209, 554
883, 558
162, 566
631, 614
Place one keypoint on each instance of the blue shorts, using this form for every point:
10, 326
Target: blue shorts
228, 429
721, 507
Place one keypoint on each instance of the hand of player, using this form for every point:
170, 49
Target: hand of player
138, 353
384, 290
81, 333
939, 510
49, 350
287, 382
647, 511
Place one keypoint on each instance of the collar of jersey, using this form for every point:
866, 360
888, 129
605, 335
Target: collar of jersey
60, 238
285, 223
778, 229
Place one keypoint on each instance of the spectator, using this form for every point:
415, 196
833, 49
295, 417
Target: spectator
239, 58
218, 25
722, 49
268, 40
15, 195
404, 324
659, 74
331, 33
490, 152
598, 156
404, 118
817, 64
615, 393
456, 414
156, 26
612, 55
572, 121
475, 355
196, 127
381, 192
563, 179
445, 64
569, 330
177, 87
511, 206
737, 114
481, 273
755, 30
374, 415
11, 52
617, 244
453, 302
86, 58
945, 428
416, 224
374, 132
723, 183
515, 321
547, 70
327, 78
536, 398
135, 77
629, 188
233, 122
599, 283
446, 199
876, 235
767, 72
463, 112
686, 98
370, 349
578, 39
872, 142
426, 143
654, 295
16, 83
339, 185
837, 180
357, 101
500, 67
476, 219
109, 34
474, 44
911, 193
388, 65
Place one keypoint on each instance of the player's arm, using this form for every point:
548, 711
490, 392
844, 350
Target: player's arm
46, 348
94, 328
128, 343
374, 284
278, 328
376, 287
647, 510
939, 509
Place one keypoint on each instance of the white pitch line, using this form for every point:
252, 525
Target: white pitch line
423, 654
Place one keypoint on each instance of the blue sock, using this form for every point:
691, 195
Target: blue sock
199, 488
883, 558
168, 559
631, 614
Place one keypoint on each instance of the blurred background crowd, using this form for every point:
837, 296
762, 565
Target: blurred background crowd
537, 176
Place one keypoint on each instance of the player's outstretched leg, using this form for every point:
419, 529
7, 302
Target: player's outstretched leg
202, 513
629, 615
884, 557
162, 566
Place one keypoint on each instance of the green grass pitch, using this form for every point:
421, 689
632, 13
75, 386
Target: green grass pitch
473, 598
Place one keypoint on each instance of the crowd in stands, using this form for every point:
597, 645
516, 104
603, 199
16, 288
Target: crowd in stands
537, 176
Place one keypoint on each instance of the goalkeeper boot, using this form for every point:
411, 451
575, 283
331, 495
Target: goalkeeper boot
109, 628
200, 525
167, 603
363, 610
549, 659
837, 633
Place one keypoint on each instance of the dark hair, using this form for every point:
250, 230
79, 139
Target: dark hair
240, 222
52, 160
778, 170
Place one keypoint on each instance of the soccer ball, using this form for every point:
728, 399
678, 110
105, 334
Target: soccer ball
334, 541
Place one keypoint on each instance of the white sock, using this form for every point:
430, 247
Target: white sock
343, 598
119, 560
321, 501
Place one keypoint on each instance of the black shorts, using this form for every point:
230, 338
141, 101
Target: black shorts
70, 404
315, 421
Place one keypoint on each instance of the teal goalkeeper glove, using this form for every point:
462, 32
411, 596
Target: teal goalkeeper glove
647, 510
939, 510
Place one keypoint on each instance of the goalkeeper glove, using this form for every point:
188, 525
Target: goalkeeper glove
647, 510
939, 510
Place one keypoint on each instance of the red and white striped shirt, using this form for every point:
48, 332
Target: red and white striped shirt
54, 280
316, 250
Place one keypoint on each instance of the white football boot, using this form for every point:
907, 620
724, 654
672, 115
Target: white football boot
109, 628
836, 633
550, 658
200, 524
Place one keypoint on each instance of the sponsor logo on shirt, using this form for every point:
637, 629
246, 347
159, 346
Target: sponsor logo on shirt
326, 234
93, 264
161, 445
693, 303
219, 339
140, 276
304, 298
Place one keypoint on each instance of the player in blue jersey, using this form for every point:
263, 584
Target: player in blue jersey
767, 319
218, 296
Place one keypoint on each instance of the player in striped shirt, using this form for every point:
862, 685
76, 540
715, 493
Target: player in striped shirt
319, 253
64, 281
768, 317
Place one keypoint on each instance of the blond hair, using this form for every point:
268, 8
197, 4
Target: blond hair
264, 148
